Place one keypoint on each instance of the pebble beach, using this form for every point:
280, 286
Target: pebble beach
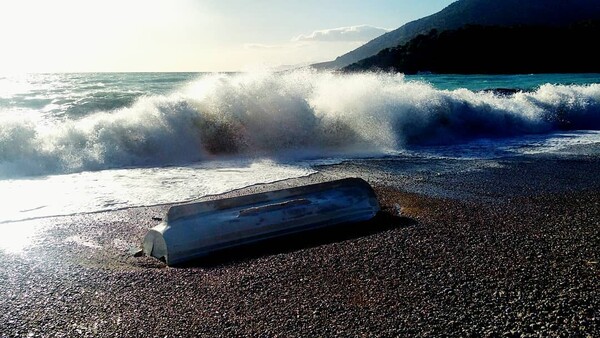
500, 247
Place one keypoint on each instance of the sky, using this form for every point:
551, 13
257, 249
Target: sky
191, 35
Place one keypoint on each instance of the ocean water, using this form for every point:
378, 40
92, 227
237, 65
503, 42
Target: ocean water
77, 143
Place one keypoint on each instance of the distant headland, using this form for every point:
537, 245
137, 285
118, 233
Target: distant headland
515, 32
494, 50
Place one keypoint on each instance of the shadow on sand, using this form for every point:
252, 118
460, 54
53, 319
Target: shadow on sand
383, 221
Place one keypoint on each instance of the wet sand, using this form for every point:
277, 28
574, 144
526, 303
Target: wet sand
504, 247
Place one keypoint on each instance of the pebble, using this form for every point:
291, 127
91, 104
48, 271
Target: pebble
449, 266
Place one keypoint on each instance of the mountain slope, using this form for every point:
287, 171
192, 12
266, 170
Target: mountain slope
494, 50
477, 12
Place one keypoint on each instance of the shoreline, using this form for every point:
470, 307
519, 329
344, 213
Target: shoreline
484, 247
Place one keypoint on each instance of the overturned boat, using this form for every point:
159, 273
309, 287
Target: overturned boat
195, 230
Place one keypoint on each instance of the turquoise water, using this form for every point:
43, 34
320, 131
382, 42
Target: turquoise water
72, 143
525, 82
76, 95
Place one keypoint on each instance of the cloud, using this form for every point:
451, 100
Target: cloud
352, 33
287, 45
261, 46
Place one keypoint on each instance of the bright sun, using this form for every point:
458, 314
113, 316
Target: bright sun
70, 35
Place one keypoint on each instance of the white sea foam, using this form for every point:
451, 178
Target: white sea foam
223, 132
291, 114
113, 189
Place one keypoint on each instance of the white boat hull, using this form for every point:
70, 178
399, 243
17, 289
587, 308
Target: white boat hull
195, 230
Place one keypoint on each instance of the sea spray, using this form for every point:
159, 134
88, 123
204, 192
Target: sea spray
282, 115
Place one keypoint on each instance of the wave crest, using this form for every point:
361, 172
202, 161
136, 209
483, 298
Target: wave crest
296, 113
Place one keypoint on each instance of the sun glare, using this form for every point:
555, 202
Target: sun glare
19, 236
69, 35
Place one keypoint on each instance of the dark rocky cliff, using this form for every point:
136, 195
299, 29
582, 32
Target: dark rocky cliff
494, 50
477, 12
